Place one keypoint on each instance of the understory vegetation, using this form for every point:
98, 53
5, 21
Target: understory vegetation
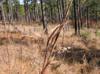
50, 37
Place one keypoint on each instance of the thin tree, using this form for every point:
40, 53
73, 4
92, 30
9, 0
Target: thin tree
43, 16
75, 17
2, 11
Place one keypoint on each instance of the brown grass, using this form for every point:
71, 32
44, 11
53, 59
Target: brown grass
22, 53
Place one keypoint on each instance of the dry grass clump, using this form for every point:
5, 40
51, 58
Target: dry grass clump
72, 41
64, 68
20, 59
19, 38
94, 44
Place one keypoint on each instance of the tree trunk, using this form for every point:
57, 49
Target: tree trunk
3, 15
75, 17
87, 17
43, 16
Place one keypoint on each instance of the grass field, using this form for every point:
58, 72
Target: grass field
22, 51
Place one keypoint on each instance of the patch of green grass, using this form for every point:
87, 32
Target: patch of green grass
97, 33
85, 35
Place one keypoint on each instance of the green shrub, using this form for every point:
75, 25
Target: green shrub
85, 35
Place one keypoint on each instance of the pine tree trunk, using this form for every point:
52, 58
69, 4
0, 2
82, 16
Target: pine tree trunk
43, 18
3, 15
75, 17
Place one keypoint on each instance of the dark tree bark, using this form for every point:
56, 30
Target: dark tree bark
0, 15
78, 16
33, 13
51, 11
43, 18
96, 14
3, 15
58, 11
63, 8
81, 22
16, 12
80, 13
27, 11
87, 17
75, 17
10, 12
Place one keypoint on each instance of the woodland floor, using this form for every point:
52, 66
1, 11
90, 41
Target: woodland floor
21, 51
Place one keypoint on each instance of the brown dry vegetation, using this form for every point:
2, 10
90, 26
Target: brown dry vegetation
22, 49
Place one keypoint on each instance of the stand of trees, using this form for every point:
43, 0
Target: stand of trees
82, 12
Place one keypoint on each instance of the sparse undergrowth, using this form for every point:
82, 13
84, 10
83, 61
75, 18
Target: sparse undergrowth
23, 54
